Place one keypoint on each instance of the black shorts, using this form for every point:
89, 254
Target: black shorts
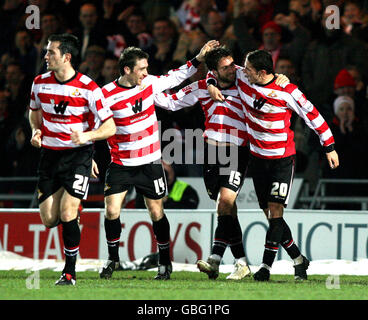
219, 172
148, 179
272, 179
70, 169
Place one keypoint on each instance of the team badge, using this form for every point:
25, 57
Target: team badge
76, 93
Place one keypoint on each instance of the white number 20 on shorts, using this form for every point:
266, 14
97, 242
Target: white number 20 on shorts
279, 189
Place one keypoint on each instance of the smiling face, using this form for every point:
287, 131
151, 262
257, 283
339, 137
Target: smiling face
226, 71
138, 73
252, 74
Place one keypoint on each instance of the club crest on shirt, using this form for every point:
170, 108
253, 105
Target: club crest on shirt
76, 93
272, 94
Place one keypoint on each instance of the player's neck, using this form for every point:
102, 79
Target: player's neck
65, 74
266, 79
126, 82
224, 85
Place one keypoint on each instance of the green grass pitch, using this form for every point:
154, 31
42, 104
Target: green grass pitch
139, 285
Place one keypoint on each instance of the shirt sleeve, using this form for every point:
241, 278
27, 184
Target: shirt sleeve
34, 103
186, 97
98, 106
309, 113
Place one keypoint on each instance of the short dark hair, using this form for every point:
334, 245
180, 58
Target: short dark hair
128, 58
213, 57
261, 60
68, 44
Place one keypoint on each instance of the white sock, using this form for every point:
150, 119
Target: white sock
241, 260
263, 265
216, 257
298, 260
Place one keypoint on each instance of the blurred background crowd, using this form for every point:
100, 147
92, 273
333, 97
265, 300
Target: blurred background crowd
329, 65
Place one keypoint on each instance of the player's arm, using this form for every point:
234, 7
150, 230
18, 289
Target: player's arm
184, 98
35, 121
103, 115
106, 130
35, 116
314, 120
94, 172
214, 92
177, 76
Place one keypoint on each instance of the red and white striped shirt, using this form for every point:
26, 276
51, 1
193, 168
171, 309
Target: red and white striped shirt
76, 104
268, 109
225, 121
137, 140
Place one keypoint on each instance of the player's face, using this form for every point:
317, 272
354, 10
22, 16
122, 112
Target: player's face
251, 73
226, 71
53, 56
139, 72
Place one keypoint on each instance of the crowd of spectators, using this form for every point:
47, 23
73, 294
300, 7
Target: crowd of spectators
330, 65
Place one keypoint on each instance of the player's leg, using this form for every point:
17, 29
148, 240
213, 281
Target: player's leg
227, 203
161, 230
74, 170
50, 209
259, 169
71, 236
115, 191
284, 173
273, 239
150, 181
212, 179
49, 188
279, 232
241, 268
228, 229
287, 242
112, 225
301, 263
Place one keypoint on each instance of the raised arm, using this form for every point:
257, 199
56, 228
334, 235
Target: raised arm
177, 76
186, 97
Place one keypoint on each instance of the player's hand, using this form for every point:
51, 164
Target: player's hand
36, 140
94, 172
215, 93
333, 159
282, 80
206, 48
79, 137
